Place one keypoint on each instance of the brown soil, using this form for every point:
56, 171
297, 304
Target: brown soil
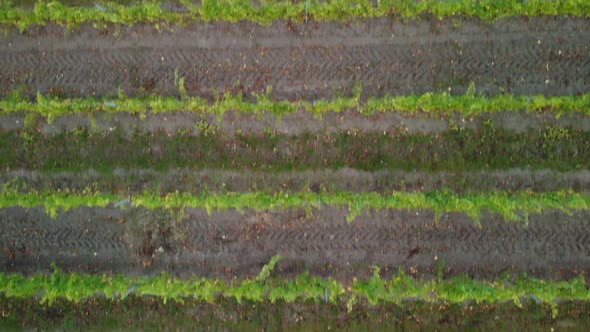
151, 314
225, 244
535, 56
548, 56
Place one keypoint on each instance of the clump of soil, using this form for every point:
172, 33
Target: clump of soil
153, 232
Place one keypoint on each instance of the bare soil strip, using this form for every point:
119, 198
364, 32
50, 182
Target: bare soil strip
539, 56
346, 179
225, 244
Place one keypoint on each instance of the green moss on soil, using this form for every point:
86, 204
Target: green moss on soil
486, 148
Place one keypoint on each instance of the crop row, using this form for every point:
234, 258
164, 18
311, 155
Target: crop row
268, 11
429, 104
264, 287
512, 206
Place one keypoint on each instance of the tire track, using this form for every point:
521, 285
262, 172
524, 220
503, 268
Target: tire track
553, 245
524, 67
33, 230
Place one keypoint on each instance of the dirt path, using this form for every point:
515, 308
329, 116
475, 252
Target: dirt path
227, 243
538, 56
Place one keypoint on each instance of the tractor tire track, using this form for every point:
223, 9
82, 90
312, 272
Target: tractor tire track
554, 244
546, 62
37, 232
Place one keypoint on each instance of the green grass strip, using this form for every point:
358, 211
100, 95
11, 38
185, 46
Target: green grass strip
513, 207
264, 287
267, 11
429, 103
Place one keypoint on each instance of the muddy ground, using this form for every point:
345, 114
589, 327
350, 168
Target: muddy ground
225, 244
547, 56
124, 154
129, 182
151, 314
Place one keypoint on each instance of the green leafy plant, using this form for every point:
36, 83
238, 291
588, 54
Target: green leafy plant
513, 207
429, 104
401, 287
267, 269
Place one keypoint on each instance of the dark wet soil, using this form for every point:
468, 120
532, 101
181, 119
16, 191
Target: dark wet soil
515, 151
225, 244
129, 182
152, 315
547, 56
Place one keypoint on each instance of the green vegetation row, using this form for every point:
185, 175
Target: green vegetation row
433, 104
267, 11
513, 206
459, 149
76, 287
